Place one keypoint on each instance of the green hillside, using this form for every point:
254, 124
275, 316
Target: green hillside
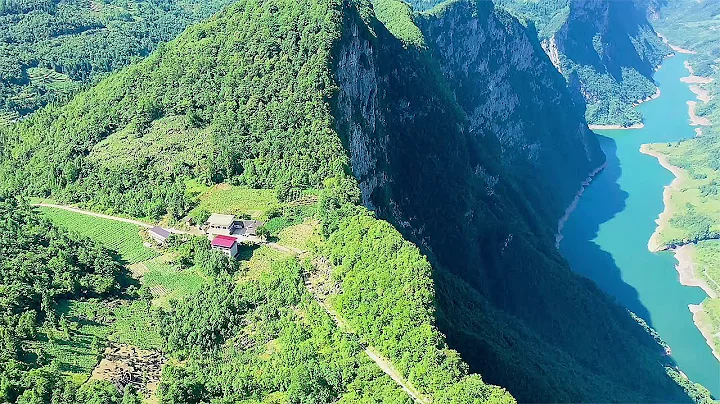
50, 49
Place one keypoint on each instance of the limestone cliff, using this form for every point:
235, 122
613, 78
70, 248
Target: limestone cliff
472, 146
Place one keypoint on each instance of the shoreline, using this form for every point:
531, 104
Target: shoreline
616, 127
634, 126
664, 217
696, 310
573, 205
696, 120
675, 48
686, 268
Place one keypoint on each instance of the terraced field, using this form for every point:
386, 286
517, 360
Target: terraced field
121, 237
167, 282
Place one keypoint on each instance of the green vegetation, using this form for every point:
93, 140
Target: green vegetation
43, 270
169, 282
50, 49
256, 137
250, 98
119, 236
235, 200
694, 205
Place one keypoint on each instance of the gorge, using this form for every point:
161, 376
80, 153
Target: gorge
606, 238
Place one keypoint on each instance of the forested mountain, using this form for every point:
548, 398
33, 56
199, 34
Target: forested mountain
49, 49
606, 50
454, 126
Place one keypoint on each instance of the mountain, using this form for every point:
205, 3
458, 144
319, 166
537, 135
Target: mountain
606, 50
51, 49
453, 126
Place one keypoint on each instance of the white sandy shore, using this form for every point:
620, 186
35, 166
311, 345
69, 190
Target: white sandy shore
664, 218
616, 127
705, 329
701, 93
675, 47
696, 120
569, 210
688, 269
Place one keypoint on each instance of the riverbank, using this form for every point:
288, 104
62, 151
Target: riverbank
696, 120
687, 269
616, 127
675, 48
573, 205
635, 126
662, 221
704, 327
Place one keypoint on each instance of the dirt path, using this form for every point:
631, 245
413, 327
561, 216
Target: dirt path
384, 364
104, 216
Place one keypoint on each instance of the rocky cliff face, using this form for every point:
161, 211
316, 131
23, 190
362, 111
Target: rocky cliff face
472, 146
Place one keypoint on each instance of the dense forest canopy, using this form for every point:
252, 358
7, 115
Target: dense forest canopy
240, 98
50, 49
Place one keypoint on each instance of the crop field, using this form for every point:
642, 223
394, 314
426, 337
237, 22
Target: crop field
119, 236
228, 199
120, 321
166, 282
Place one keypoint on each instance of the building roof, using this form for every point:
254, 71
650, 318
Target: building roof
159, 231
220, 220
251, 223
224, 241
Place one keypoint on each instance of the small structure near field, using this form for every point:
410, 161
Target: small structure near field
225, 244
229, 225
159, 234
220, 224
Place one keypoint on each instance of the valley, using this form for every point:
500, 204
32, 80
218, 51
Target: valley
606, 238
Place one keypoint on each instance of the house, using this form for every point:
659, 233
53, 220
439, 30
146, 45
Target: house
159, 234
226, 244
228, 225
221, 224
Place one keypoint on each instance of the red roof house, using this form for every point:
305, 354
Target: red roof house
226, 244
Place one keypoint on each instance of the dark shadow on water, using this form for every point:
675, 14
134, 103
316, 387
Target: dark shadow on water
601, 202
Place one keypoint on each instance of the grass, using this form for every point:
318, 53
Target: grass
233, 200
260, 261
166, 282
695, 205
302, 236
126, 322
119, 236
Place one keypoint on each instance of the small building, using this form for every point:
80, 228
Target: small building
249, 227
159, 234
221, 224
226, 244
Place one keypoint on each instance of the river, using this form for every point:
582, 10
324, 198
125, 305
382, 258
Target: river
606, 237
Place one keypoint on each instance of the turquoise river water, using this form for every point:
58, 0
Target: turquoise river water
606, 237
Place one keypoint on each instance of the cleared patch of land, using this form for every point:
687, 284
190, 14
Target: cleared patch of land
119, 236
233, 200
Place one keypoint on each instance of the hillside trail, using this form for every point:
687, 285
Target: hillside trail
104, 216
384, 364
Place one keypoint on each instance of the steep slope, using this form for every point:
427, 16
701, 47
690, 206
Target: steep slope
441, 142
606, 50
457, 129
51, 49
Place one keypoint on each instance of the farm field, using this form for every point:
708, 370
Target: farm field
89, 324
228, 199
167, 282
121, 237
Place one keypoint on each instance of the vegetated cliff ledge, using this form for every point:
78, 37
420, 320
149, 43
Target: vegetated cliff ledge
468, 141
